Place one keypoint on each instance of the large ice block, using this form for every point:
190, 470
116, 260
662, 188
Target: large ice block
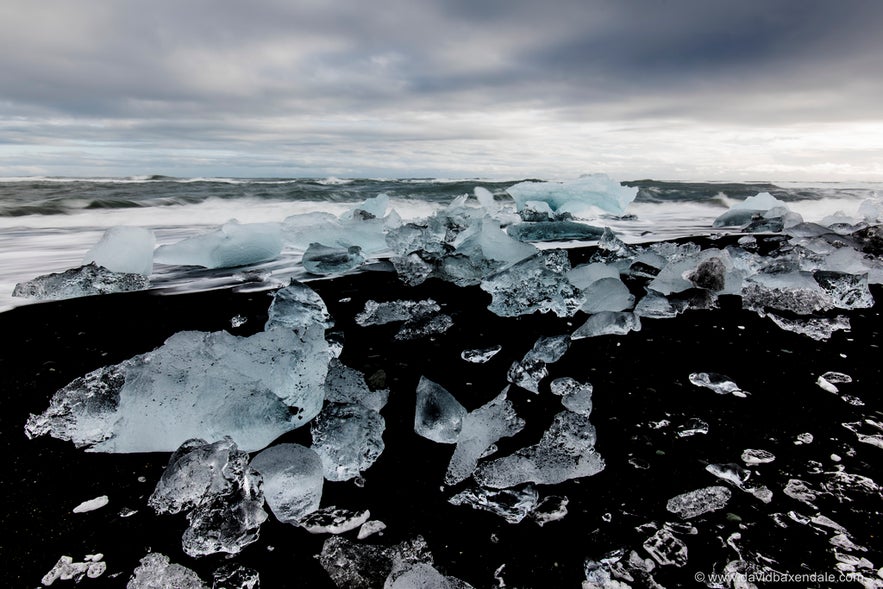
231, 245
127, 250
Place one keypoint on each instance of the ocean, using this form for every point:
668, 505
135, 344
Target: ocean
661, 402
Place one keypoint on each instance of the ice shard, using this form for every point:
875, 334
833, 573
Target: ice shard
300, 308
126, 250
293, 480
348, 385
565, 451
607, 294
231, 245
608, 323
530, 370
84, 281
196, 385
480, 355
481, 429
438, 416
554, 231
720, 384
513, 505
334, 520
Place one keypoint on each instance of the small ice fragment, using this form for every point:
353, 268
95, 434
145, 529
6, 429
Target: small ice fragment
751, 456
238, 321
537, 283
156, 570
528, 372
692, 427
513, 505
550, 509
422, 575
369, 528
804, 438
426, 326
480, 355
695, 503
292, 480
817, 328
235, 576
666, 549
439, 416
827, 385
575, 396
333, 520
84, 281
801, 491
298, 307
837, 377
720, 384
608, 323
323, 260
127, 250
127, 512
91, 505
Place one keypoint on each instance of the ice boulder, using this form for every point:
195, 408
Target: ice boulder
84, 281
584, 196
298, 307
324, 260
743, 212
128, 250
538, 283
231, 245
438, 416
196, 385
293, 480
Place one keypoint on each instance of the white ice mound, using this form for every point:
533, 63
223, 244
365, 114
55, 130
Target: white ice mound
584, 196
196, 385
127, 250
293, 480
231, 245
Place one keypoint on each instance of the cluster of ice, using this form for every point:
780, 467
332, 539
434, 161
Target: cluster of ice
84, 281
586, 196
200, 385
233, 244
126, 250
220, 493
538, 283
292, 480
575, 396
157, 571
530, 370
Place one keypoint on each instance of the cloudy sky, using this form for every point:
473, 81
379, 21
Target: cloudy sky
670, 89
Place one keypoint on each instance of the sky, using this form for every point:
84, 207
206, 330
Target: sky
665, 89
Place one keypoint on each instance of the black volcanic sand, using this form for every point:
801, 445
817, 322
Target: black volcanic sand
639, 380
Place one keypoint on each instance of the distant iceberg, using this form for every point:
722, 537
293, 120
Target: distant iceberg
585, 196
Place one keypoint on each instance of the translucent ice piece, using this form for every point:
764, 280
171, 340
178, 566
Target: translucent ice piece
298, 307
393, 311
334, 520
439, 416
607, 294
126, 250
575, 396
554, 231
233, 244
817, 328
752, 456
480, 355
347, 385
586, 195
422, 575
156, 570
530, 370
698, 502
720, 384
79, 282
293, 480
536, 284
326, 260
608, 323
348, 437
513, 505
666, 549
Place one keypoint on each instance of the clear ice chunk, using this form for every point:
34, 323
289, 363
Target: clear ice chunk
817, 328
720, 384
298, 307
334, 520
324, 260
293, 480
692, 427
513, 505
394, 311
369, 528
847, 291
587, 195
439, 416
655, 306
231, 245
586, 274
565, 451
84, 281
156, 571
530, 370
254, 388
738, 477
480, 355
796, 292
354, 565
125, 250
539, 231
347, 385
538, 283
607, 294
235, 576
575, 396
608, 323
424, 327
698, 502
481, 429
348, 437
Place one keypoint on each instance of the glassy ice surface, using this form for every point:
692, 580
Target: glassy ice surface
196, 385
126, 250
292, 480
347, 385
298, 307
233, 244
359, 565
334, 520
157, 571
530, 370
324, 260
695, 503
235, 576
480, 430
513, 505
608, 323
720, 384
587, 195
84, 281
538, 283
607, 294
565, 451
425, 327
439, 416
348, 437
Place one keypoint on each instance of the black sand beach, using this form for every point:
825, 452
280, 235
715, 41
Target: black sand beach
642, 399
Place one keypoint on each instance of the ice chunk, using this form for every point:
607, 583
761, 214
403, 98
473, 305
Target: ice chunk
554, 231
565, 451
393, 311
867, 431
532, 368
68, 570
422, 575
91, 504
738, 477
818, 328
480, 355
439, 416
536, 284
348, 437
608, 323
481, 429
365, 566
334, 520
513, 505
126, 250
720, 384
298, 307
369, 528
692, 427
751, 456
293, 480
231, 245
325, 260
585, 274
655, 306
79, 282
666, 549
796, 292
372, 208
743, 212
847, 291
586, 195
347, 385
537, 211
698, 502
607, 294
235, 576
485, 198
197, 384
157, 571
426, 326
575, 396
551, 508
